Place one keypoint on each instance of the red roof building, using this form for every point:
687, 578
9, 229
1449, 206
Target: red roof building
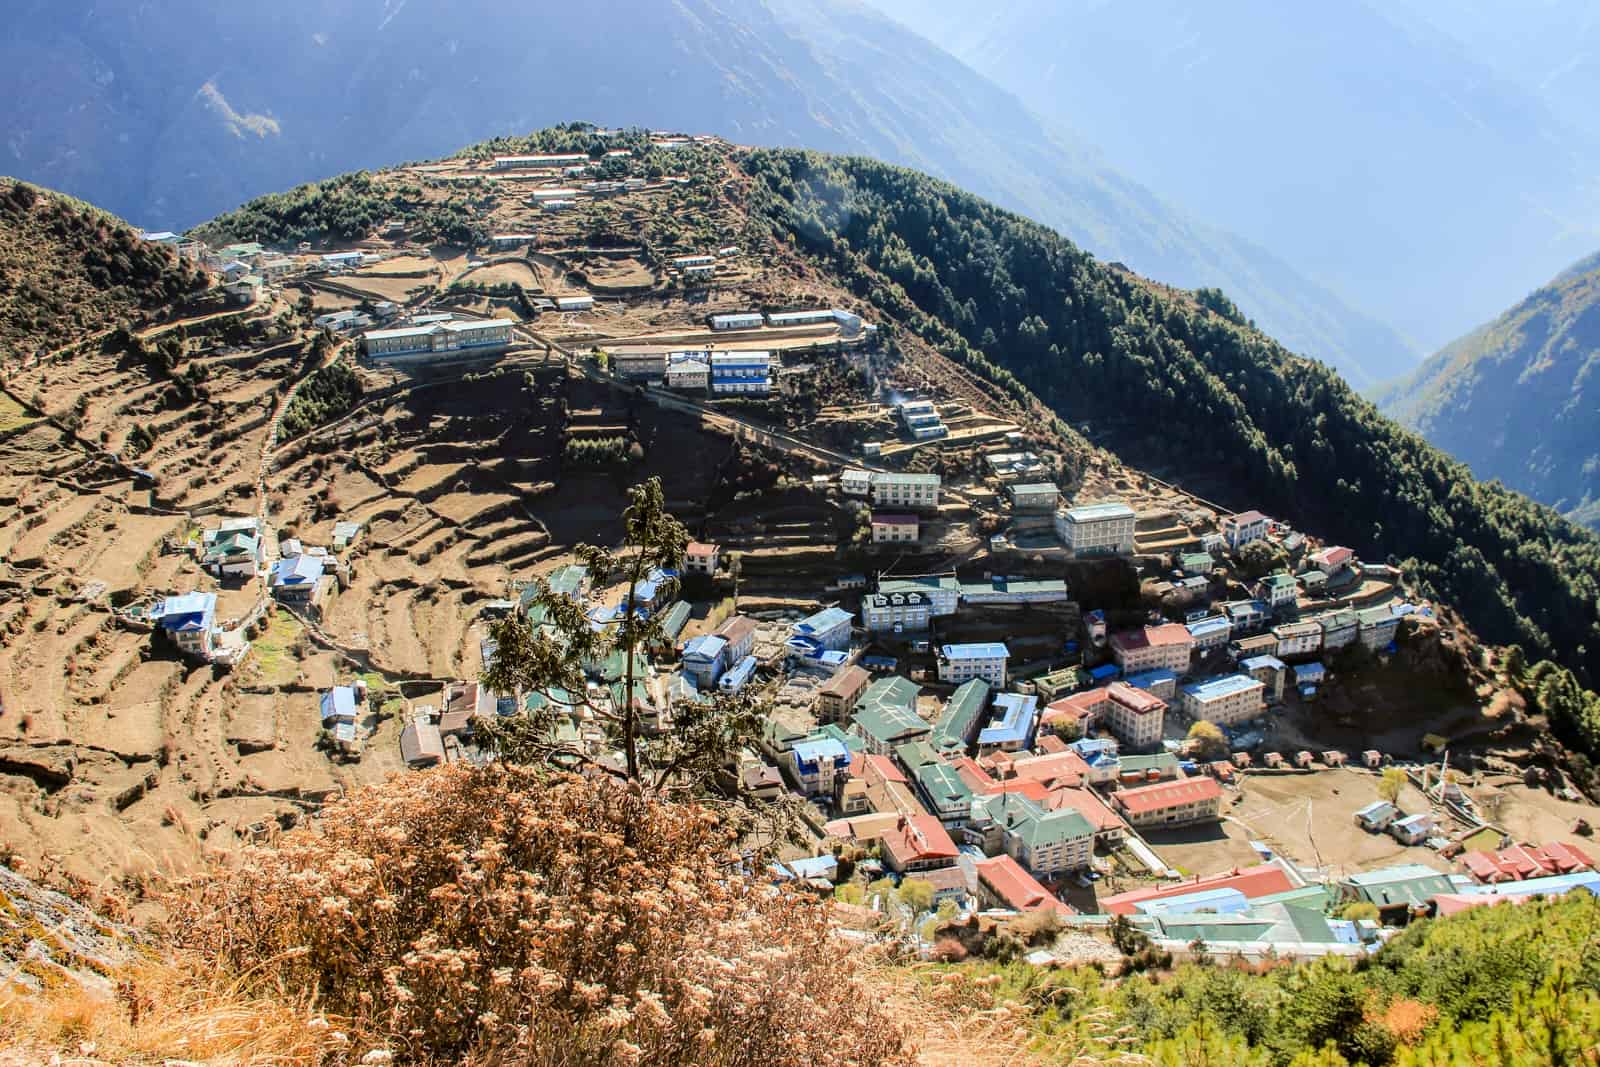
1164, 647
1259, 881
1175, 803
1520, 861
1108, 825
918, 843
1005, 883
1064, 769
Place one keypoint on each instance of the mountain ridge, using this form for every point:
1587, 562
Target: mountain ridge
1516, 399
182, 139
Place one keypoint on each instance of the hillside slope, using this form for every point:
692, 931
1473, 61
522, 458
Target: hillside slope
67, 269
1518, 399
134, 109
1369, 149
1179, 383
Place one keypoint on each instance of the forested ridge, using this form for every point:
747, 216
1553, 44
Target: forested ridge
1183, 382
68, 269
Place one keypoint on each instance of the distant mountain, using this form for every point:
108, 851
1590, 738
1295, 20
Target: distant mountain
1353, 139
1550, 48
1519, 398
173, 111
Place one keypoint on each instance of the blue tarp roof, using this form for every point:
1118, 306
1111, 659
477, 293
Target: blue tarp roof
708, 646
1104, 671
189, 611
814, 749
297, 570
1149, 679
339, 703
1309, 672
735, 679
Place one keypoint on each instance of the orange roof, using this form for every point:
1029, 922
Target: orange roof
1067, 768
1259, 881
737, 628
918, 838
1162, 795
972, 773
862, 827
847, 682
1139, 701
1013, 884
697, 548
1245, 518
1170, 633
1050, 744
875, 768
1088, 805
1076, 707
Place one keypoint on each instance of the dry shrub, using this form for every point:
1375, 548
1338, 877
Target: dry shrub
507, 916
948, 950
1408, 1020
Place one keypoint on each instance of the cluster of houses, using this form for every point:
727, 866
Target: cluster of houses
849, 322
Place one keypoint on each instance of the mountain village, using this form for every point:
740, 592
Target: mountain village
983, 695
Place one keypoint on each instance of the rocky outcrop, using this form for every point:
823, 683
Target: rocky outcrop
46, 936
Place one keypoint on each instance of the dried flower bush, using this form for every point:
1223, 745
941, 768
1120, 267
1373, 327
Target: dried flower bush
511, 916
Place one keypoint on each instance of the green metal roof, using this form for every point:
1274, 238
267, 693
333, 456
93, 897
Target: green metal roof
959, 720
914, 754
941, 783
1154, 761
1053, 827
888, 723
675, 618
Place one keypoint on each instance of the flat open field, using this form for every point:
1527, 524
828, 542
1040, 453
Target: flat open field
512, 273
1310, 818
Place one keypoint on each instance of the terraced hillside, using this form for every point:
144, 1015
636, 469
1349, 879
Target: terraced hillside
465, 477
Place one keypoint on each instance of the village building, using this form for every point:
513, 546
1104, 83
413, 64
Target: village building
1104, 529
630, 363
1413, 829
1339, 629
499, 242
548, 161
701, 558
1167, 647
457, 335
893, 528
689, 371
1280, 592
342, 321
1226, 700
1396, 889
1245, 616
1033, 496
189, 621
1004, 883
827, 630
1376, 817
942, 590
906, 490
1313, 583
703, 659
565, 304
1214, 631
957, 724
1521, 862
739, 631
885, 715
1196, 563
1378, 627
1046, 842
1163, 683
1270, 671
837, 695
854, 482
741, 373
917, 843
297, 579
1000, 591
1011, 727
897, 612
737, 320
338, 709
235, 549
1175, 803
1244, 528
685, 262
1251, 883
1332, 560
1298, 639
421, 744
961, 663
921, 419
1136, 716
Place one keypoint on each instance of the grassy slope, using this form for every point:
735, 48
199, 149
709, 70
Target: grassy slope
68, 269
1517, 399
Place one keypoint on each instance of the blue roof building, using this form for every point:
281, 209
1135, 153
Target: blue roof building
339, 705
1310, 674
1160, 681
986, 660
828, 629
736, 678
702, 659
296, 578
189, 621
1211, 631
1105, 672
1011, 728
